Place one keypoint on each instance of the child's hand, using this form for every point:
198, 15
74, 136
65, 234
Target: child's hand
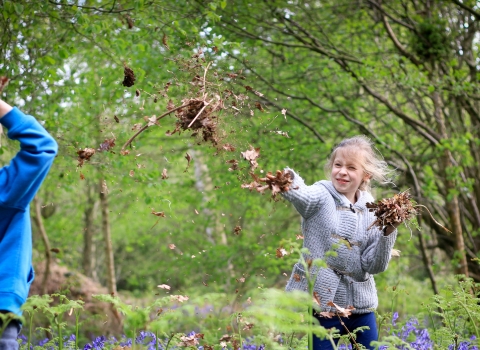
387, 230
4, 108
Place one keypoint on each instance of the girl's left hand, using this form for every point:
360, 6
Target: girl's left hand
387, 230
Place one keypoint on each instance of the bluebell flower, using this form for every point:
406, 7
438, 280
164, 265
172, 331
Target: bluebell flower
394, 318
43, 342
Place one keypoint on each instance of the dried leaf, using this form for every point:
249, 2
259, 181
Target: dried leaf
188, 158
251, 155
158, 213
258, 105
107, 145
164, 41
226, 337
116, 119
164, 174
179, 298
129, 76
171, 246
164, 286
84, 155
228, 147
131, 173
237, 230
281, 252
234, 163
344, 312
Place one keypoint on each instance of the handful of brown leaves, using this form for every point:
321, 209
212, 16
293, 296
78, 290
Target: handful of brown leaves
277, 183
394, 210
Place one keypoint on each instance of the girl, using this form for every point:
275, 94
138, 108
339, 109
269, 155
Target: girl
334, 214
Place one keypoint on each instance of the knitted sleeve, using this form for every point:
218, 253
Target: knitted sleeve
20, 180
376, 255
306, 199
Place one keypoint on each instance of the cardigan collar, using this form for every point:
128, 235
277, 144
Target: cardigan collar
363, 197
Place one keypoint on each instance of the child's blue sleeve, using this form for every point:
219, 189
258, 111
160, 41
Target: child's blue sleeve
20, 180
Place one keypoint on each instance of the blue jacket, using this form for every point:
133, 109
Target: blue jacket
19, 182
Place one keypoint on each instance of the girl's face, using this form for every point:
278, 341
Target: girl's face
347, 172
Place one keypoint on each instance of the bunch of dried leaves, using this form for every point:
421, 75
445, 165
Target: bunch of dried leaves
393, 211
278, 183
197, 115
128, 76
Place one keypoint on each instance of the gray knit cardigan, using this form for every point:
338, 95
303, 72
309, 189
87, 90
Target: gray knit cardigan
329, 219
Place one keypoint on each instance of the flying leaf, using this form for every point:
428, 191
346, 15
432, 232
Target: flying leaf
107, 145
188, 158
84, 155
129, 76
258, 105
237, 230
179, 298
281, 252
228, 147
164, 41
251, 155
164, 174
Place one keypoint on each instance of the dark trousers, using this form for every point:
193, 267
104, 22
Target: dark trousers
8, 339
352, 323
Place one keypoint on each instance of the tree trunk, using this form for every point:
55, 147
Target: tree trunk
88, 262
111, 281
451, 197
37, 218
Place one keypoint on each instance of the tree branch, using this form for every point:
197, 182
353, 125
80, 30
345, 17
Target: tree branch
91, 7
468, 9
397, 43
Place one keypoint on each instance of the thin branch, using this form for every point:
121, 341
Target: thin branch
204, 106
465, 7
91, 7
145, 127
406, 25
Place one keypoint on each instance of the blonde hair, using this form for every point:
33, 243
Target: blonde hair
372, 161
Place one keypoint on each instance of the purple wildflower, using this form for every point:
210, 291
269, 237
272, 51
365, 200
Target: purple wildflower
394, 318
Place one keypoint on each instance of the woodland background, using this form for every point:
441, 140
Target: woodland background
293, 79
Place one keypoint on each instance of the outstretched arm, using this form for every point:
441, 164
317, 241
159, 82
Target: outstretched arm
20, 180
306, 199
